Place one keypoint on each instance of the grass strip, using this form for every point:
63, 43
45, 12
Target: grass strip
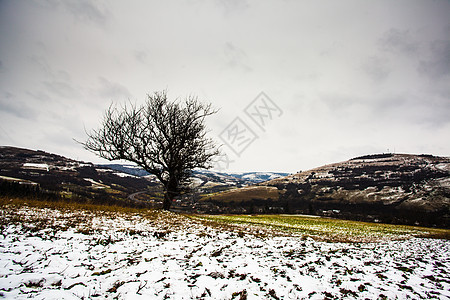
329, 229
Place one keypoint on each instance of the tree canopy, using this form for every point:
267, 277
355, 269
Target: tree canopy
165, 138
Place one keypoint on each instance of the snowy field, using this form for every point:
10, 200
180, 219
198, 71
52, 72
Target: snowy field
85, 254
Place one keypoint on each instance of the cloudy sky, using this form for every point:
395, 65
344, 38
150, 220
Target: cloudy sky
340, 78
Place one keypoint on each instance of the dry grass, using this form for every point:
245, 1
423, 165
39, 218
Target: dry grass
63, 215
245, 194
67, 205
60, 215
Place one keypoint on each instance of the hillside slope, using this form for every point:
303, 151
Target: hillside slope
50, 175
38, 173
397, 188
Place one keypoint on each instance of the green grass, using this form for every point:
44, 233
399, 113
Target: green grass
325, 228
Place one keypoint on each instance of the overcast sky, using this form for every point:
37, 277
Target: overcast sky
340, 78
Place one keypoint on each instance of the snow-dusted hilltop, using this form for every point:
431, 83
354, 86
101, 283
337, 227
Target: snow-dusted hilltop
202, 177
399, 188
38, 173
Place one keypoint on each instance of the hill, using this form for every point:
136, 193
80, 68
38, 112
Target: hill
392, 188
41, 174
202, 177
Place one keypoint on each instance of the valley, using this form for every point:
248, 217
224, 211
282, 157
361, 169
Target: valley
384, 188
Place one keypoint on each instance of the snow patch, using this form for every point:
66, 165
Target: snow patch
96, 184
120, 174
36, 166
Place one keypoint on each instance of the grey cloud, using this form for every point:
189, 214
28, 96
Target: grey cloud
85, 10
42, 64
113, 90
232, 6
62, 89
341, 103
376, 68
45, 3
9, 104
4, 135
56, 82
39, 95
439, 63
63, 75
398, 41
409, 109
437, 116
82, 10
54, 52
225, 7
141, 56
236, 58
404, 110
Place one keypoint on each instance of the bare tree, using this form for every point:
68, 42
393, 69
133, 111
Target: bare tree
167, 139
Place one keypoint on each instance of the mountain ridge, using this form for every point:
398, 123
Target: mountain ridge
59, 178
240, 178
392, 188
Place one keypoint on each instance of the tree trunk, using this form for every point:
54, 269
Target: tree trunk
167, 201
170, 195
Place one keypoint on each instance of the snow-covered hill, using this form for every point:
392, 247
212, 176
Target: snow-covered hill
399, 188
60, 177
201, 176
